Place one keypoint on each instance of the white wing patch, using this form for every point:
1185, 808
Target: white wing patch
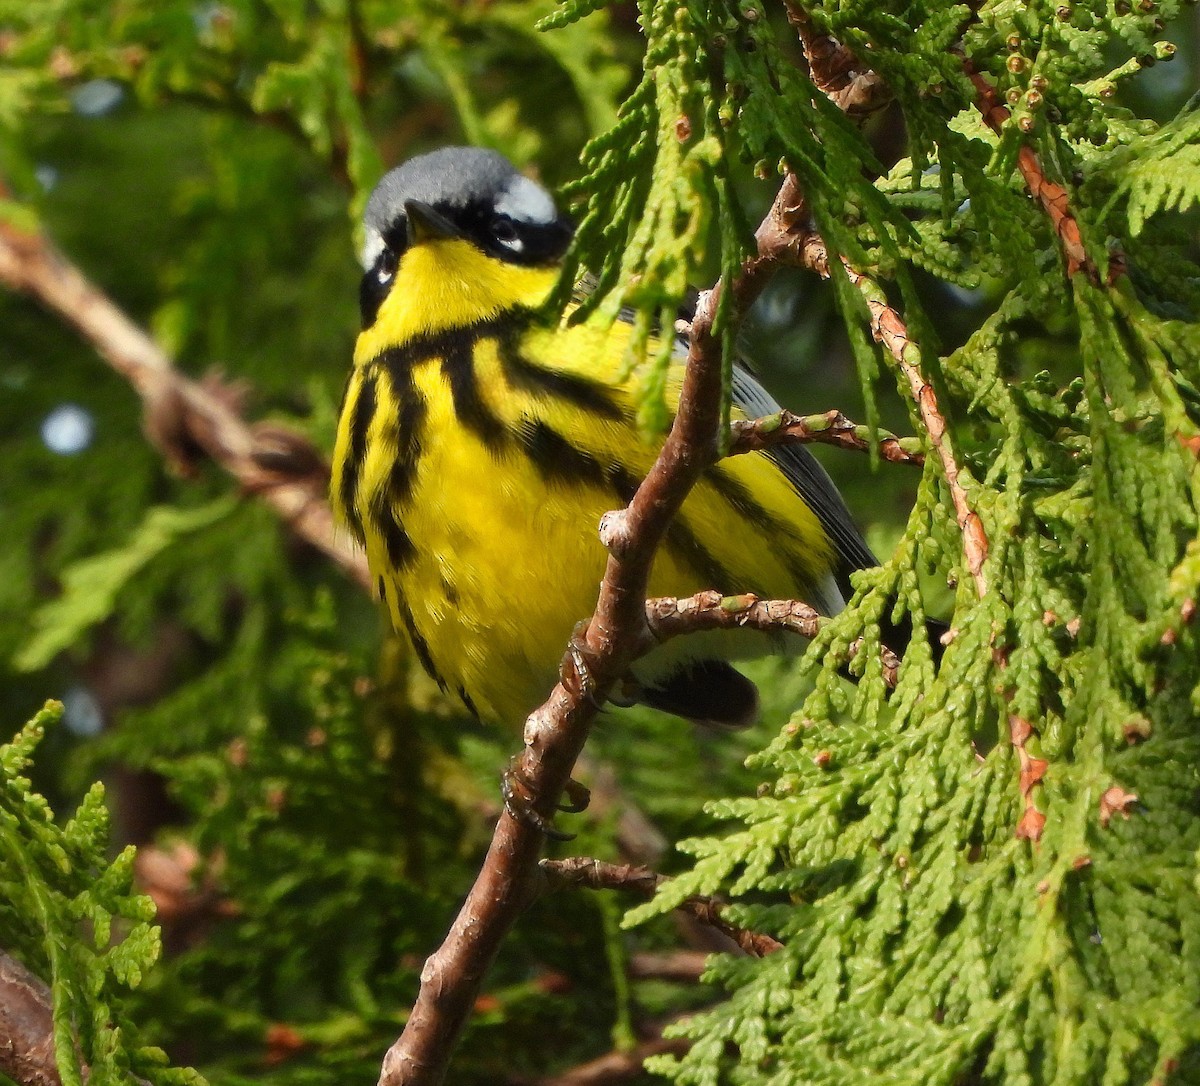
526, 201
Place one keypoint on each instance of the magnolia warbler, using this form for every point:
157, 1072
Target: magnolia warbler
479, 445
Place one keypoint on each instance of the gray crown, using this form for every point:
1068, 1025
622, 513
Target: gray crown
450, 179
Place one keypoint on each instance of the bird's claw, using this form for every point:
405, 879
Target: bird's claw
519, 802
577, 677
578, 798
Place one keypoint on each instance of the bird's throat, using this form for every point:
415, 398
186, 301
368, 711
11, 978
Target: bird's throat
449, 284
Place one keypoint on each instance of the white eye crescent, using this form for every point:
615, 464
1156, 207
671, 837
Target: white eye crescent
504, 230
385, 266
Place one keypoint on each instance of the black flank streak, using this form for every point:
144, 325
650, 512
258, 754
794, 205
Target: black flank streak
420, 645
360, 422
465, 698
459, 368
555, 457
744, 504
400, 548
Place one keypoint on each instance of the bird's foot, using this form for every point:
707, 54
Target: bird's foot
519, 800
576, 673
578, 798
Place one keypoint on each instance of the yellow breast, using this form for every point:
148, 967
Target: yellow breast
476, 453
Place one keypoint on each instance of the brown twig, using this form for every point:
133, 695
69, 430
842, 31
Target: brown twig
669, 616
279, 465
829, 428
555, 733
598, 875
26, 1027
889, 330
682, 966
1052, 196
836, 72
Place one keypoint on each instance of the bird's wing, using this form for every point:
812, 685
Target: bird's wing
811, 482
798, 465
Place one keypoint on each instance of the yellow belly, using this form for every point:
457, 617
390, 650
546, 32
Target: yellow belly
506, 564
502, 555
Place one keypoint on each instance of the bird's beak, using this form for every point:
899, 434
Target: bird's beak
425, 224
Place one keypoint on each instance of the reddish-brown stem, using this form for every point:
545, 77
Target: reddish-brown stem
1054, 199
829, 428
889, 330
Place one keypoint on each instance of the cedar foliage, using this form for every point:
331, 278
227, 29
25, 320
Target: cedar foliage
989, 874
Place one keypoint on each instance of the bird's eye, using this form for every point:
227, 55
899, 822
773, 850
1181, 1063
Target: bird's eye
385, 267
504, 230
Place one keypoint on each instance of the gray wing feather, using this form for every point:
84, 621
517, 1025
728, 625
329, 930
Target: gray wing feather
801, 469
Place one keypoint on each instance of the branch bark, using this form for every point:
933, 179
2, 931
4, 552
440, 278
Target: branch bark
614, 1067
836, 72
889, 329
1055, 200
829, 428
26, 1026
599, 875
669, 616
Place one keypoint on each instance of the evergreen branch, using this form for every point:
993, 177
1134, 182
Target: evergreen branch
1051, 195
555, 733
785, 236
832, 67
598, 875
889, 329
183, 415
828, 428
26, 1027
668, 617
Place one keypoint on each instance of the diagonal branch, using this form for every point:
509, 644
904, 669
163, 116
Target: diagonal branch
1052, 196
556, 732
890, 331
279, 465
